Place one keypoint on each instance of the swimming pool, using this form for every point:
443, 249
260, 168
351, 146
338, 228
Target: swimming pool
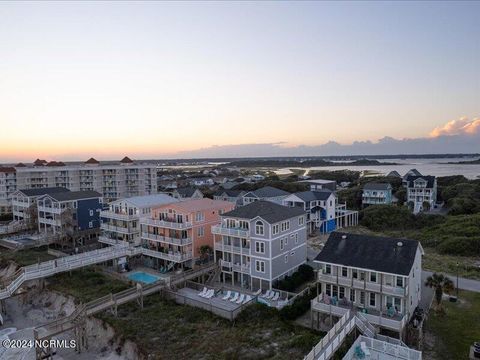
143, 277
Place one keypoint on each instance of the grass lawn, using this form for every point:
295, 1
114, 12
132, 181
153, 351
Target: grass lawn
25, 257
86, 285
455, 331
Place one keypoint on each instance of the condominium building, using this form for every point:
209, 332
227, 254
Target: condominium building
74, 216
260, 243
268, 193
421, 192
378, 276
376, 194
121, 222
113, 180
175, 234
24, 204
320, 207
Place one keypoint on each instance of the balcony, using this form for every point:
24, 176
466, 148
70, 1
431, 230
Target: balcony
329, 278
49, 221
166, 224
166, 239
375, 317
176, 257
394, 290
245, 268
232, 249
49, 209
109, 241
118, 229
117, 216
222, 230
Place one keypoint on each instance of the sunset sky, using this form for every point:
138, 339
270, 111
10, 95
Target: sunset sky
159, 79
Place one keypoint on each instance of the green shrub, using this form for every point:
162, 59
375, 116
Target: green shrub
304, 274
386, 217
299, 307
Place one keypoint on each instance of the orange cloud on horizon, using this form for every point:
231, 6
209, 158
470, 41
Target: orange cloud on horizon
458, 127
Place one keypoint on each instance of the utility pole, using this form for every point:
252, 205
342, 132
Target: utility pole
457, 280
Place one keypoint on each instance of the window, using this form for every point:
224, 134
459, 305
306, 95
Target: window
328, 289
355, 274
200, 231
301, 220
335, 290
362, 275
281, 244
372, 299
352, 295
199, 216
296, 238
260, 266
373, 277
91, 212
259, 228
260, 247
90, 224
286, 259
285, 225
362, 297
286, 240
328, 269
341, 292
399, 281
344, 272
275, 229
292, 253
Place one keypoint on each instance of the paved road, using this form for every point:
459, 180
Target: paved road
464, 284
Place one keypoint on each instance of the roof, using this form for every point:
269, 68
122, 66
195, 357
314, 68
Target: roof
368, 252
75, 195
200, 204
147, 201
377, 186
20, 165
267, 192
92, 161
7, 169
314, 195
413, 172
43, 191
126, 160
267, 210
56, 163
187, 191
393, 173
229, 193
429, 179
39, 162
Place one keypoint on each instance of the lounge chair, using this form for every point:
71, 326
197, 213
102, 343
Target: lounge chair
226, 297
276, 296
240, 299
247, 299
210, 294
258, 292
363, 346
272, 294
235, 297
266, 295
203, 293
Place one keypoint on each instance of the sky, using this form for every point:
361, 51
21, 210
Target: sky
176, 79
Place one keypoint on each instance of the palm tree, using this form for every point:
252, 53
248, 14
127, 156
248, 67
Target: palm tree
441, 284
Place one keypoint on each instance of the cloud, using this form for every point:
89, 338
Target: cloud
457, 136
458, 127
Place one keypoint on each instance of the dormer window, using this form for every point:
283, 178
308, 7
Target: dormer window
259, 228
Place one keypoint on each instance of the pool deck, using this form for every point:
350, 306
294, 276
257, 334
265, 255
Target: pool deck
215, 301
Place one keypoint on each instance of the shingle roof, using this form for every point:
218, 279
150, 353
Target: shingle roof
39, 162
75, 195
20, 165
370, 252
126, 160
429, 179
187, 191
229, 193
150, 200
393, 173
44, 191
192, 205
377, 186
267, 192
55, 163
7, 169
313, 195
413, 172
92, 161
267, 210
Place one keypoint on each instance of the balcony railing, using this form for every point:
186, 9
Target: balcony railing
119, 229
327, 277
113, 215
166, 239
50, 209
232, 249
179, 257
109, 241
222, 230
166, 224
245, 268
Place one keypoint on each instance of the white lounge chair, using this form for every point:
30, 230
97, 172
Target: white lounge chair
240, 299
363, 346
276, 296
204, 291
266, 295
247, 299
210, 294
235, 297
226, 297
258, 292
272, 294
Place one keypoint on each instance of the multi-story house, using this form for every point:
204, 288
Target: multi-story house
320, 207
176, 234
378, 276
234, 196
267, 193
72, 216
24, 204
376, 194
260, 243
421, 190
121, 222
8, 184
186, 193
411, 172
113, 181
201, 181
320, 184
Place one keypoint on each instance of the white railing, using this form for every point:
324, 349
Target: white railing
222, 230
113, 215
232, 249
320, 306
381, 347
119, 229
394, 290
109, 241
245, 268
393, 324
49, 221
166, 256
166, 224
50, 209
166, 239
327, 277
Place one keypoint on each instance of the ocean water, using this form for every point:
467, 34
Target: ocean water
436, 167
